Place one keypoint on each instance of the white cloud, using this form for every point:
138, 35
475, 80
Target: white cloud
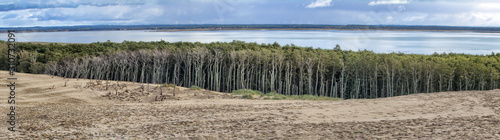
320, 3
488, 6
6, 3
477, 19
382, 2
415, 17
263, 12
86, 15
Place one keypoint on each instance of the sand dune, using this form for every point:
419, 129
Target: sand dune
82, 109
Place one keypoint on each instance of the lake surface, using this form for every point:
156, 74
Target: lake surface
417, 42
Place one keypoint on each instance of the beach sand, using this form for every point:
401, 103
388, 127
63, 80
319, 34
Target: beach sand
84, 109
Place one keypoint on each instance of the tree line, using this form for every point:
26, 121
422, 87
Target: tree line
248, 26
287, 70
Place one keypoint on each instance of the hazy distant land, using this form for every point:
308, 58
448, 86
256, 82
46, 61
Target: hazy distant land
216, 27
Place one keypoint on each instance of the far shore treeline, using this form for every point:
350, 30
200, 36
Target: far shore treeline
204, 27
288, 69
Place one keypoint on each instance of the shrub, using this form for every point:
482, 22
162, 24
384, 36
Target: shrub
270, 94
279, 96
170, 86
246, 91
37, 68
247, 96
195, 88
294, 97
308, 97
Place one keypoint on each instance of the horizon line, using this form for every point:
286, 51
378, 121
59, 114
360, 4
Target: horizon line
245, 24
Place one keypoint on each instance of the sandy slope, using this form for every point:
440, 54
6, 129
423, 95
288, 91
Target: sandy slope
48, 109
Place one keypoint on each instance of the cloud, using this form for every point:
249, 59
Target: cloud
477, 18
125, 12
9, 16
383, 2
48, 4
320, 3
88, 15
415, 17
489, 6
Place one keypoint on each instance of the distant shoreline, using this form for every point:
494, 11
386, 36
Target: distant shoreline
285, 29
243, 27
306, 29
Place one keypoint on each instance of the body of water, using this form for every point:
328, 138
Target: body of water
417, 42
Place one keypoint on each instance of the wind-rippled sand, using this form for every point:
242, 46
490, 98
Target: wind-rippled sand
46, 109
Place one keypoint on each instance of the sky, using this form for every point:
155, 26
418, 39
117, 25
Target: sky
28, 13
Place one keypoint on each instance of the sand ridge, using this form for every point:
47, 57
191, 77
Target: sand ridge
46, 109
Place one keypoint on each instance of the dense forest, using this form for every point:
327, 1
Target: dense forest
287, 70
162, 27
